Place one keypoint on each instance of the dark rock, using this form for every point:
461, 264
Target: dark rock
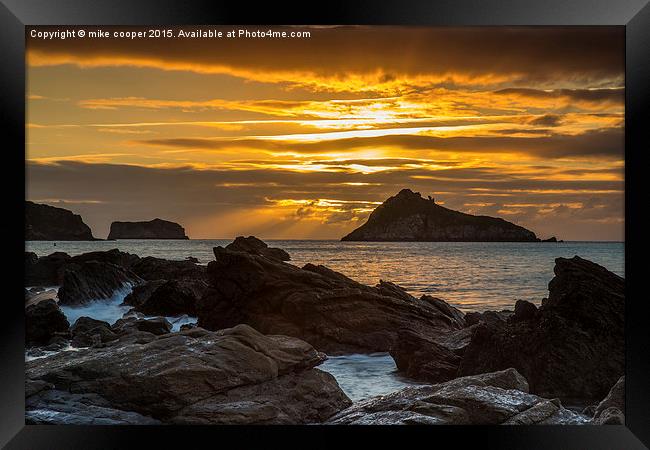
167, 298
88, 332
154, 229
188, 326
611, 411
234, 376
46, 270
93, 280
192, 259
573, 348
488, 317
155, 325
551, 239
421, 358
150, 268
326, 309
255, 246
42, 321
113, 256
52, 407
409, 217
487, 399
47, 223
524, 311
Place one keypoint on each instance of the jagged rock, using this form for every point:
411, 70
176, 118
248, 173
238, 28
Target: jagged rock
87, 332
325, 308
93, 280
488, 317
255, 246
113, 256
551, 239
48, 223
419, 357
156, 325
46, 270
233, 376
151, 268
524, 311
153, 229
573, 347
486, 399
409, 217
167, 298
43, 321
611, 411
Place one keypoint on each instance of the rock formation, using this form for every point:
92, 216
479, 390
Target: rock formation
233, 376
153, 229
48, 223
43, 321
93, 280
255, 246
167, 297
323, 307
499, 398
409, 217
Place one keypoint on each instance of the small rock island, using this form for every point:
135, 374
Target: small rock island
153, 229
49, 223
409, 217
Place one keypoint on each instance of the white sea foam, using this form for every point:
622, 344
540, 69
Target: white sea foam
108, 310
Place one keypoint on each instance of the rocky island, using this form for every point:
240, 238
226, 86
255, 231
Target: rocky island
153, 229
49, 223
264, 326
409, 217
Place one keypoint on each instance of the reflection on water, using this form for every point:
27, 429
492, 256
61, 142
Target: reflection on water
474, 276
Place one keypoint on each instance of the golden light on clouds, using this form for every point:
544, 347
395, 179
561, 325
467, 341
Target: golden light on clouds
304, 138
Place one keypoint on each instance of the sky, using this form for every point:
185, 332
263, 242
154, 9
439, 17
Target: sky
301, 138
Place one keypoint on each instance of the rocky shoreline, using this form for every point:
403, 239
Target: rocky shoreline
264, 326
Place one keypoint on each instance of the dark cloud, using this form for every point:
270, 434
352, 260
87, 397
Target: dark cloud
615, 95
547, 120
526, 54
608, 142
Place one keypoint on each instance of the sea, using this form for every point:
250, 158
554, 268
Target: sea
472, 276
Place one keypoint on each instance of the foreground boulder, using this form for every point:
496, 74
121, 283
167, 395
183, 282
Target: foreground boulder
233, 376
409, 217
571, 347
486, 399
43, 322
255, 246
325, 308
48, 223
153, 229
611, 411
93, 280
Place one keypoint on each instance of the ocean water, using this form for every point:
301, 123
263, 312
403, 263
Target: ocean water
473, 276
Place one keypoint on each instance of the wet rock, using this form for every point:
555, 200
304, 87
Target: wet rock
87, 332
167, 298
233, 376
486, 399
113, 256
572, 348
150, 268
326, 309
488, 317
43, 321
255, 246
611, 411
93, 280
46, 270
154, 325
421, 358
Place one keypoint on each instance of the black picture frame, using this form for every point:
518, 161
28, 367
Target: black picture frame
634, 15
